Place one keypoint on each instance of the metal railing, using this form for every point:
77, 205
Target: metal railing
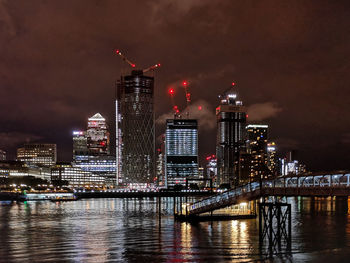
315, 181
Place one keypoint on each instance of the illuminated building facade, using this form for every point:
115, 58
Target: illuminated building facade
43, 154
272, 157
257, 147
10, 169
160, 168
2, 155
212, 169
80, 150
97, 136
231, 120
291, 166
103, 166
245, 167
91, 150
181, 151
135, 137
75, 177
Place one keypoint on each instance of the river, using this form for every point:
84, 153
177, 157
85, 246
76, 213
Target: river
129, 230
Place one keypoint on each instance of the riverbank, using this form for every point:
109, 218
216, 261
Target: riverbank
14, 196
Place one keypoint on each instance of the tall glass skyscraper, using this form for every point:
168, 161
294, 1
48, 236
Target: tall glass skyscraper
231, 120
80, 150
272, 157
97, 135
257, 147
91, 150
135, 136
181, 151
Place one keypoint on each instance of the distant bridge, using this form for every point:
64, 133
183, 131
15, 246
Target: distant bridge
331, 184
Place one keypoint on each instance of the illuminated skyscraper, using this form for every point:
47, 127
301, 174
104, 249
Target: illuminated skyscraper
91, 150
257, 147
212, 169
43, 154
231, 119
97, 136
271, 157
135, 140
181, 151
80, 150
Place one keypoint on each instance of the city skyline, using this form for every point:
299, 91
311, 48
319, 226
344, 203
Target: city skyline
291, 75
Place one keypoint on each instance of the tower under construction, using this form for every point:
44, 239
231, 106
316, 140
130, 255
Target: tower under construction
135, 133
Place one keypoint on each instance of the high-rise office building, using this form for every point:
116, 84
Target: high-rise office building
289, 165
257, 147
160, 168
231, 120
91, 150
212, 169
97, 136
272, 157
80, 150
2, 155
135, 135
181, 151
42, 154
245, 167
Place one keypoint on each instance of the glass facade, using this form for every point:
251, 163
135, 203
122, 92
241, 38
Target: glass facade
231, 120
80, 150
91, 150
75, 176
97, 136
272, 157
104, 166
135, 138
257, 147
181, 151
43, 154
20, 169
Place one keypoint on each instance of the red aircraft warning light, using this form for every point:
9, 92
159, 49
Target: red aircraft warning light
199, 107
184, 83
171, 91
233, 83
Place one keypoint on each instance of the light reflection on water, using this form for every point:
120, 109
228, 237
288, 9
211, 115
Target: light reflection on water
129, 230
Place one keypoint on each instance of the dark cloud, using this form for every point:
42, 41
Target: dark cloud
200, 110
14, 139
57, 66
262, 111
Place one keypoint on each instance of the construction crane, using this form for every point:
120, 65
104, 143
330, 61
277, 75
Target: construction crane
188, 97
133, 65
117, 51
174, 107
151, 68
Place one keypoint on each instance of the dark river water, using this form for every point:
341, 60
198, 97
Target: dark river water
129, 230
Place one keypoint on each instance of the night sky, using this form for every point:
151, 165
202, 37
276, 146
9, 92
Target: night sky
289, 60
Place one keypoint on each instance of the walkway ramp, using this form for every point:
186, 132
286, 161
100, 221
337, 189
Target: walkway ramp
330, 184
